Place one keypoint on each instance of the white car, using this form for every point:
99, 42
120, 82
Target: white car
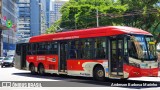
8, 61
1, 58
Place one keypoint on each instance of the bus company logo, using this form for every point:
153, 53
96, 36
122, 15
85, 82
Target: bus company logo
40, 57
31, 57
72, 37
6, 84
50, 59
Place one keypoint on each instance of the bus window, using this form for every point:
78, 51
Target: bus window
100, 48
72, 50
142, 47
53, 48
80, 49
33, 51
87, 43
132, 49
47, 48
40, 48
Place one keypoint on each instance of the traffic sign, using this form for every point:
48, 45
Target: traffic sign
9, 23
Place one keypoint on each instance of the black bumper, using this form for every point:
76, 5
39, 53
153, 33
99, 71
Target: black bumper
7, 64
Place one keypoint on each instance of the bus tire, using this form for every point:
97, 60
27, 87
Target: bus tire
41, 70
98, 73
32, 69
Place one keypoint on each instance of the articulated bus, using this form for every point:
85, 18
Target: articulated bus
117, 52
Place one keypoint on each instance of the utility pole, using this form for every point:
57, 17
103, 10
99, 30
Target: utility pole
97, 17
75, 23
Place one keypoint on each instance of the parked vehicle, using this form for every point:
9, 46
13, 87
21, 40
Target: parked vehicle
1, 58
7, 61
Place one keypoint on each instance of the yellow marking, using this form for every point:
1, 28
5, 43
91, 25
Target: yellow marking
152, 43
79, 63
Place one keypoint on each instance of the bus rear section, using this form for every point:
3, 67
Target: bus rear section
20, 56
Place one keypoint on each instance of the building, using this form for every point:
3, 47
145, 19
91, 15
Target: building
24, 14
51, 18
56, 6
43, 25
32, 18
38, 17
48, 13
8, 16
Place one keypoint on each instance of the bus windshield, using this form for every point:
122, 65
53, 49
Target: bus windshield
142, 47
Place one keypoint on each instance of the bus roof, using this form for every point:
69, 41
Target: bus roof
87, 33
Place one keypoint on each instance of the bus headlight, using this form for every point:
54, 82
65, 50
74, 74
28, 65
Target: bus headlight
143, 65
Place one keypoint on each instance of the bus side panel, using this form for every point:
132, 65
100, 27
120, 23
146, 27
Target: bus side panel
17, 62
85, 67
50, 62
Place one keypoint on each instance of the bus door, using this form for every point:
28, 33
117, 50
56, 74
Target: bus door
23, 56
63, 56
116, 56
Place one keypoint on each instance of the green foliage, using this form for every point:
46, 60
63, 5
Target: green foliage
53, 27
78, 14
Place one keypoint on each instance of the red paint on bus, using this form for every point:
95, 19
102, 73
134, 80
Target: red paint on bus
86, 33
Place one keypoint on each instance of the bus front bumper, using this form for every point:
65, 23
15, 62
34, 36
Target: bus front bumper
140, 72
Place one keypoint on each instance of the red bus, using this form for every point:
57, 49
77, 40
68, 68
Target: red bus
113, 51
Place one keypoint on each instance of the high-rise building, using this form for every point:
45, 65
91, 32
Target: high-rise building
48, 13
56, 6
32, 18
51, 18
43, 25
8, 16
24, 14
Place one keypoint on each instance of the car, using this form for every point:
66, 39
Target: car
7, 61
1, 58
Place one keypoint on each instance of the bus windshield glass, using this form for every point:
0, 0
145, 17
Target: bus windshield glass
142, 47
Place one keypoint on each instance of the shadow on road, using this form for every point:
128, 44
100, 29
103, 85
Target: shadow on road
89, 82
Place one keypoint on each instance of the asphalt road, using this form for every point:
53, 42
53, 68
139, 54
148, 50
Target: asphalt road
10, 74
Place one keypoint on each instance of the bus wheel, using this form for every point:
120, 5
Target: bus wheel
41, 70
98, 73
32, 69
